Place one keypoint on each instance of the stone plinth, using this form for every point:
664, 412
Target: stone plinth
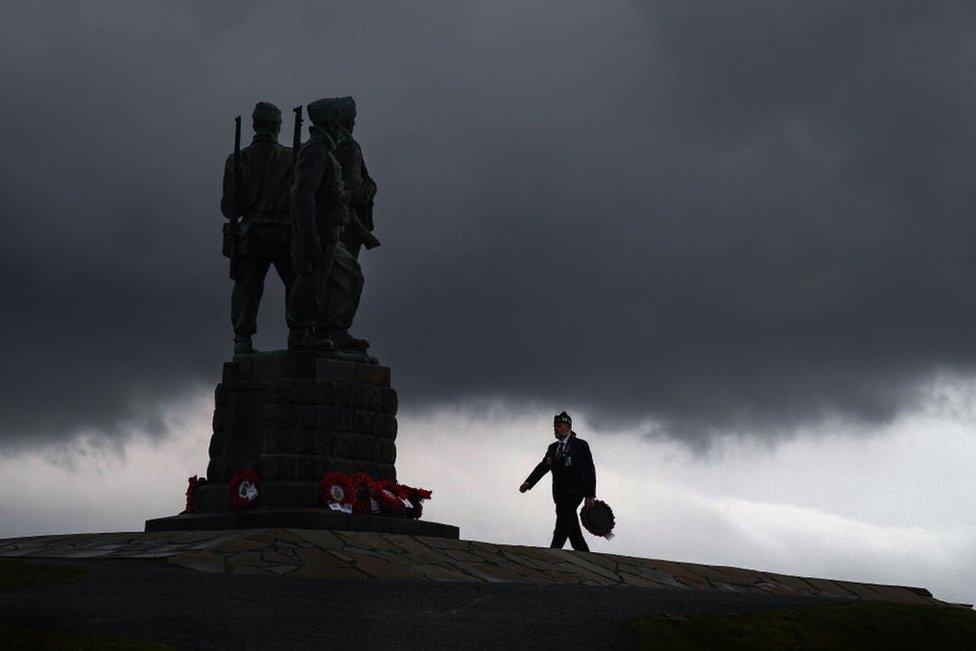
292, 418
302, 518
295, 417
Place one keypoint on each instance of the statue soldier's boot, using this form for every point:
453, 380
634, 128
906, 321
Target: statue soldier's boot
307, 340
242, 345
343, 340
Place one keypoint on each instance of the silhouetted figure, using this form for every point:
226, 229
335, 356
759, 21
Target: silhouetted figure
259, 198
319, 206
346, 281
573, 480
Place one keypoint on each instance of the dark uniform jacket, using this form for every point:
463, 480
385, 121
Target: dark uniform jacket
265, 177
318, 196
360, 188
573, 474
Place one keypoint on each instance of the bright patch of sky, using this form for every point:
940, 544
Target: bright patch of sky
892, 507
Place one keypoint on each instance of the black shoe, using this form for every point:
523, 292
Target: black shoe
242, 345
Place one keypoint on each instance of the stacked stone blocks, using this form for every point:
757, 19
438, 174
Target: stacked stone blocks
293, 418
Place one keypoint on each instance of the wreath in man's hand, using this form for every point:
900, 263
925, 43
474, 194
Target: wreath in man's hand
338, 491
243, 488
598, 519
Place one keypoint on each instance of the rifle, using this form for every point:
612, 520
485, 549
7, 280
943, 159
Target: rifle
296, 140
232, 227
237, 163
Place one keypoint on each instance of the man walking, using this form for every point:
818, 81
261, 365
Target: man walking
573, 481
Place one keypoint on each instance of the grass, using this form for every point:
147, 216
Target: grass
20, 573
848, 626
21, 637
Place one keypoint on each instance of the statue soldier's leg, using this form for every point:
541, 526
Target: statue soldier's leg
285, 267
300, 307
306, 295
245, 300
329, 238
345, 291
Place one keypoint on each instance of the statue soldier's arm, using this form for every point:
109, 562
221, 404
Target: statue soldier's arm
368, 195
361, 191
311, 165
361, 206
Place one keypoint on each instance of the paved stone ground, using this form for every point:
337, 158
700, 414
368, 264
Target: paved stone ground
153, 600
353, 556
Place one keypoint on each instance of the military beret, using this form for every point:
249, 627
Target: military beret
266, 112
562, 417
327, 109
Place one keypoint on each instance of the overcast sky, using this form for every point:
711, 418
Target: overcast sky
693, 222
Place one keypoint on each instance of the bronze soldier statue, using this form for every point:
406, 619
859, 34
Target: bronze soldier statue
319, 209
346, 281
320, 206
255, 190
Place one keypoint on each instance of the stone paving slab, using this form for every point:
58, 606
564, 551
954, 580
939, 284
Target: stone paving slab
359, 555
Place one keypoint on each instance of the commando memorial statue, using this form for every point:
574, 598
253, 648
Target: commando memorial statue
346, 281
303, 437
258, 232
327, 207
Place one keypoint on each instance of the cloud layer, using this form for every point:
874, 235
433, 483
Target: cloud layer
699, 217
860, 509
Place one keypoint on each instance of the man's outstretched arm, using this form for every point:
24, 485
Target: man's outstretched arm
535, 475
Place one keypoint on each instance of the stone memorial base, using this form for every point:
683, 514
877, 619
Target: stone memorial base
290, 418
293, 417
301, 518
347, 555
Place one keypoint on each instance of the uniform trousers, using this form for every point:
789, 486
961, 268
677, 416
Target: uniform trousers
343, 290
312, 277
265, 246
567, 524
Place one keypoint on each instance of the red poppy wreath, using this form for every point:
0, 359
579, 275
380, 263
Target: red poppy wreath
390, 497
415, 497
365, 494
191, 489
243, 488
338, 491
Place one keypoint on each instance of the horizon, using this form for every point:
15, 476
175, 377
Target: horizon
736, 244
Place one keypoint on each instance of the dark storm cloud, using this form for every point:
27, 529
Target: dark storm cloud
712, 216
